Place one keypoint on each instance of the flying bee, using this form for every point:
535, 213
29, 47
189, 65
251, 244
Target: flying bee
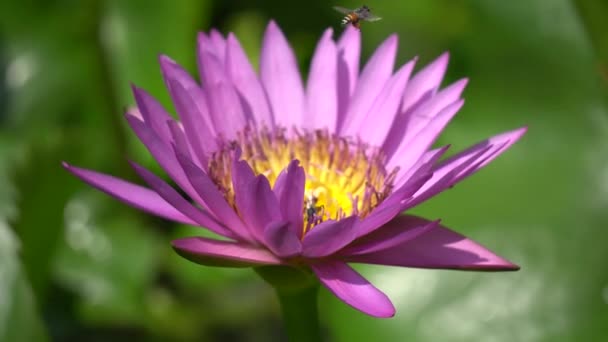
312, 210
355, 16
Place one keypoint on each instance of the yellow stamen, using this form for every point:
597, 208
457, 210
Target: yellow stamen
342, 177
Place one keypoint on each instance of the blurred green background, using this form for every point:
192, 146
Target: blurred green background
76, 264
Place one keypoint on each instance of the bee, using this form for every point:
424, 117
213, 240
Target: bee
355, 16
312, 210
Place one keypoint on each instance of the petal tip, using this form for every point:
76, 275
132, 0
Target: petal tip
273, 26
165, 60
386, 310
520, 132
463, 82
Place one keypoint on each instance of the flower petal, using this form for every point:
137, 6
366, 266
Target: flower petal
181, 143
198, 135
424, 165
408, 154
464, 164
153, 113
381, 116
246, 82
504, 140
399, 230
390, 207
428, 110
289, 189
442, 181
375, 74
438, 248
349, 48
219, 44
328, 237
256, 203
191, 107
425, 81
224, 103
214, 200
281, 78
163, 155
178, 202
282, 240
204, 44
322, 87
131, 194
210, 252
354, 290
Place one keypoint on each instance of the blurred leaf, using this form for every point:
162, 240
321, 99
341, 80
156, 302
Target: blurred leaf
593, 14
136, 32
39, 222
108, 262
19, 320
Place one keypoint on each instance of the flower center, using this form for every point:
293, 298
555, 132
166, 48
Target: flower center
343, 177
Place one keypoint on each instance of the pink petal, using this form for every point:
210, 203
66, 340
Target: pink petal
282, 240
281, 78
424, 165
219, 44
191, 106
256, 203
354, 290
429, 109
425, 81
131, 194
289, 189
398, 231
222, 253
420, 90
181, 143
390, 207
204, 44
464, 164
328, 237
349, 47
153, 113
504, 140
200, 136
438, 248
374, 76
224, 103
163, 154
177, 201
214, 200
380, 117
443, 180
246, 82
322, 87
408, 154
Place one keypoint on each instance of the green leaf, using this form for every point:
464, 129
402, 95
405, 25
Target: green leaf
19, 320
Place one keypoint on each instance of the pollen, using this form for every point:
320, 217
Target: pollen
343, 177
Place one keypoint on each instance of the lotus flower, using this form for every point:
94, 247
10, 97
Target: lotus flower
312, 176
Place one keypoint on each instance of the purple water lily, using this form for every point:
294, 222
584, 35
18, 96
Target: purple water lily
312, 176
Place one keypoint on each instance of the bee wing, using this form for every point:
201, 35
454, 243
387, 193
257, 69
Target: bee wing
343, 10
372, 17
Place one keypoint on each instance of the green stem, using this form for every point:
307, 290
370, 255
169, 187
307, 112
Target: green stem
297, 290
300, 314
